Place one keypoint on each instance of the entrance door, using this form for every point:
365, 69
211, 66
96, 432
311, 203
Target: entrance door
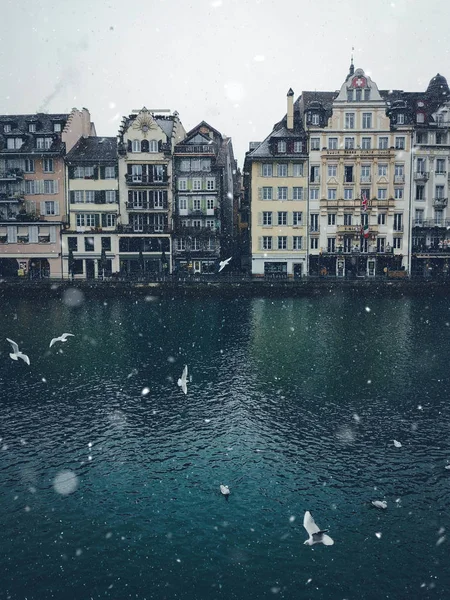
90, 268
371, 268
197, 266
340, 267
298, 270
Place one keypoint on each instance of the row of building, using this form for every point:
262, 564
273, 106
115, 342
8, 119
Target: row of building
349, 183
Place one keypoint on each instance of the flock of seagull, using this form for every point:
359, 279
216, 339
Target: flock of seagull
16, 353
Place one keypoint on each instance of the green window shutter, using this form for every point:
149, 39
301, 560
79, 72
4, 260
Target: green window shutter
116, 168
260, 242
71, 172
95, 172
102, 172
97, 219
52, 235
290, 244
72, 197
103, 220
260, 218
290, 218
259, 193
56, 205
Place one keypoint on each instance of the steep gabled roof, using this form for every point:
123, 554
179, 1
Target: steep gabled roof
94, 149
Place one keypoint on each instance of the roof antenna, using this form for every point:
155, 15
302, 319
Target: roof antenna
352, 66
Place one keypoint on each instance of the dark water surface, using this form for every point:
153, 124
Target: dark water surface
293, 403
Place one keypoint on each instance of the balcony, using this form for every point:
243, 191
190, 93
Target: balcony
346, 229
148, 206
349, 180
12, 175
315, 180
194, 149
421, 175
366, 179
440, 202
14, 198
143, 229
314, 229
399, 179
147, 180
430, 223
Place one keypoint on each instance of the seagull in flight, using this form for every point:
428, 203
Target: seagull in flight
224, 263
17, 353
182, 382
225, 491
316, 535
61, 338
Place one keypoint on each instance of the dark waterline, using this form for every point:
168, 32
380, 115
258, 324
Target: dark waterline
293, 403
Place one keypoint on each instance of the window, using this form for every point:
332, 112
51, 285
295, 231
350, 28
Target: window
196, 184
382, 194
56, 127
350, 120
298, 146
314, 222
400, 119
153, 146
367, 120
267, 242
349, 95
331, 244
110, 172
80, 220
439, 192
182, 203
196, 223
31, 186
72, 243
315, 119
110, 221
332, 143
314, 174
419, 216
282, 170
420, 192
181, 244
136, 146
110, 196
365, 192
348, 173
282, 242
314, 243
29, 165
182, 184
313, 193
267, 193
48, 165
88, 244
347, 219
382, 170
14, 143
210, 203
185, 165
399, 171
282, 218
7, 128
398, 222
45, 143
78, 197
399, 143
297, 193
398, 193
365, 173
421, 165
348, 193
158, 199
420, 117
267, 170
196, 203
382, 219
210, 183
438, 214
267, 218
331, 219
281, 146
297, 242
332, 170
349, 143
90, 219
282, 193
332, 194
89, 197
106, 243
383, 143
422, 137
381, 244
441, 138
366, 143
315, 143
50, 207
297, 218
440, 166
32, 127
358, 94
210, 223
297, 169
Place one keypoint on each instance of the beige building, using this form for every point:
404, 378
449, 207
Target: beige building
275, 178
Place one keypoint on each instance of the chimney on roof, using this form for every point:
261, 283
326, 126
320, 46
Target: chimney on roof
290, 109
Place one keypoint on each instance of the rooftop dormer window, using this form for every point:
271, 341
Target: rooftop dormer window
420, 117
32, 127
400, 119
43, 143
281, 146
57, 127
315, 119
7, 128
14, 143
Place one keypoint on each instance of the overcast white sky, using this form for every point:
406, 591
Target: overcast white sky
228, 62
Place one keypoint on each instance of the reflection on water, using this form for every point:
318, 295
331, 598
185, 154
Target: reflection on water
294, 404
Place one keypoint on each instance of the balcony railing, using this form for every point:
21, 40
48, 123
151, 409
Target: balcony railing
421, 175
145, 180
440, 202
143, 229
315, 179
314, 228
11, 175
366, 179
146, 206
399, 179
431, 223
194, 149
11, 198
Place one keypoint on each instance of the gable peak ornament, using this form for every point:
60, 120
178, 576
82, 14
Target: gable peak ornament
144, 122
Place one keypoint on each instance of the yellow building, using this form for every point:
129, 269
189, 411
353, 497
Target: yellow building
275, 175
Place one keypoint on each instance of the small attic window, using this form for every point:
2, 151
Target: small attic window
315, 119
7, 128
56, 127
32, 127
400, 119
281, 146
420, 117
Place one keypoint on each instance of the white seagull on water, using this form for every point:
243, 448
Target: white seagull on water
316, 535
379, 503
224, 263
17, 353
182, 382
225, 490
61, 338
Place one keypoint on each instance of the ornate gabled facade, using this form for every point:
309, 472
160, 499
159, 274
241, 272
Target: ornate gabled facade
357, 150
204, 189
145, 144
33, 191
89, 243
275, 178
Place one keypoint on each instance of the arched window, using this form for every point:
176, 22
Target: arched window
136, 146
144, 146
153, 146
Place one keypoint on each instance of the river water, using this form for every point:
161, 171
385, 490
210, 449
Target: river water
110, 475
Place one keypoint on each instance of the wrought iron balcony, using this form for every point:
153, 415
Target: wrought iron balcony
13, 198
143, 229
146, 180
314, 228
440, 202
366, 179
148, 206
315, 179
421, 175
12, 175
399, 179
194, 149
